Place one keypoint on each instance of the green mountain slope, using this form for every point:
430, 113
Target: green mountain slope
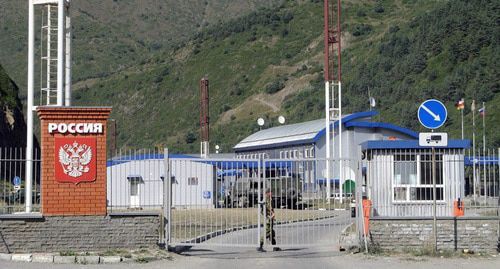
112, 35
270, 63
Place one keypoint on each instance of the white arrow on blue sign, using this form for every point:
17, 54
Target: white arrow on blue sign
432, 114
16, 181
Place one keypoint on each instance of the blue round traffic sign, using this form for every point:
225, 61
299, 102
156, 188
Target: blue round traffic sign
16, 181
432, 114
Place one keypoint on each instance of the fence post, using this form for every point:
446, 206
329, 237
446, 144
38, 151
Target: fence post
166, 199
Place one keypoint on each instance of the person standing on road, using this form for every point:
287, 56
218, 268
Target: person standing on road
270, 217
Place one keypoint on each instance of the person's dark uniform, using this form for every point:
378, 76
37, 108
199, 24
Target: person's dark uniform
269, 212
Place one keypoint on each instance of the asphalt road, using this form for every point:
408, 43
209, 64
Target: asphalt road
309, 259
300, 234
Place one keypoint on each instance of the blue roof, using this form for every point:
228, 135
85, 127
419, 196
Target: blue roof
410, 144
382, 125
481, 160
242, 164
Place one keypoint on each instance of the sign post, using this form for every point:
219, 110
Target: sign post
432, 114
17, 183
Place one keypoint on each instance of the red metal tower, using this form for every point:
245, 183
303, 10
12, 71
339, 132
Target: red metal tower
333, 90
333, 65
204, 117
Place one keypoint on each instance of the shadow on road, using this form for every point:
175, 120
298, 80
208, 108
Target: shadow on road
252, 253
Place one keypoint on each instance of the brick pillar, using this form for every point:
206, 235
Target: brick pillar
73, 176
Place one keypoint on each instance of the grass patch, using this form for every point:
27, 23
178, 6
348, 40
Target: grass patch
67, 253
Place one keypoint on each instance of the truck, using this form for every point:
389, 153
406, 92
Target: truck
286, 191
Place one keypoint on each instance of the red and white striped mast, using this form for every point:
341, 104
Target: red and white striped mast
204, 118
333, 88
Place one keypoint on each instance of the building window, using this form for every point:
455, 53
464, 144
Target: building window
311, 152
295, 154
413, 178
281, 154
192, 181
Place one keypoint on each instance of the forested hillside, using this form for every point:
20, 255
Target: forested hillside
269, 63
112, 35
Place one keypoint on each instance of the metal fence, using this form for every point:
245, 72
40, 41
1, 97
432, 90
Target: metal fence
135, 180
12, 180
222, 202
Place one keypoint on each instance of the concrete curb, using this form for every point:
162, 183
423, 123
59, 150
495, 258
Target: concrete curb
43, 258
111, 259
5, 257
22, 257
64, 259
88, 259
57, 259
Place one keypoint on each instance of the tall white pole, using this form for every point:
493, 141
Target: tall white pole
60, 52
49, 53
484, 150
67, 92
341, 170
29, 107
474, 147
327, 137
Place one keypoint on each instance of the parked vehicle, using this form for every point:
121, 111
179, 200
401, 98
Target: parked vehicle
285, 191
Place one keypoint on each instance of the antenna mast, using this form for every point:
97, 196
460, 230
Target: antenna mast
204, 118
333, 88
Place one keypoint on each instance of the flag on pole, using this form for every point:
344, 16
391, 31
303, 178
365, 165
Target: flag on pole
460, 104
482, 111
473, 106
373, 103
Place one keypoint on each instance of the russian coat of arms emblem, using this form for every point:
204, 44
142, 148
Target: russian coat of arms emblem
75, 159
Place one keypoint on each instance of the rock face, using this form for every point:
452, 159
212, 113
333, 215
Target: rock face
12, 124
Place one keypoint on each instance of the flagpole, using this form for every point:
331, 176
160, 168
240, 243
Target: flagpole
474, 148
484, 149
462, 111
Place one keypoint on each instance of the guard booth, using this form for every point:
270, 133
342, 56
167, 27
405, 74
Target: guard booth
397, 177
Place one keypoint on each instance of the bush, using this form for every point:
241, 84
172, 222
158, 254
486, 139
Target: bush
361, 29
275, 87
190, 137
379, 8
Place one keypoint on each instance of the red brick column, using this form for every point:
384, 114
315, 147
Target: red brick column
81, 190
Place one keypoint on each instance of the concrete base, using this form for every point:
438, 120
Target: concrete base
79, 233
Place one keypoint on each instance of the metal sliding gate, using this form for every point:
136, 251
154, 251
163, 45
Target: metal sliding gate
237, 202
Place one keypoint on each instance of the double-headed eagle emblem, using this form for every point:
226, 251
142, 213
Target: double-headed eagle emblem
75, 158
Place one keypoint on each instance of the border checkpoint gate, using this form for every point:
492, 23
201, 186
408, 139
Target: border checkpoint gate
221, 202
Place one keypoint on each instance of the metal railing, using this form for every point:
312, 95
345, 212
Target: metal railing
12, 181
135, 181
222, 202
